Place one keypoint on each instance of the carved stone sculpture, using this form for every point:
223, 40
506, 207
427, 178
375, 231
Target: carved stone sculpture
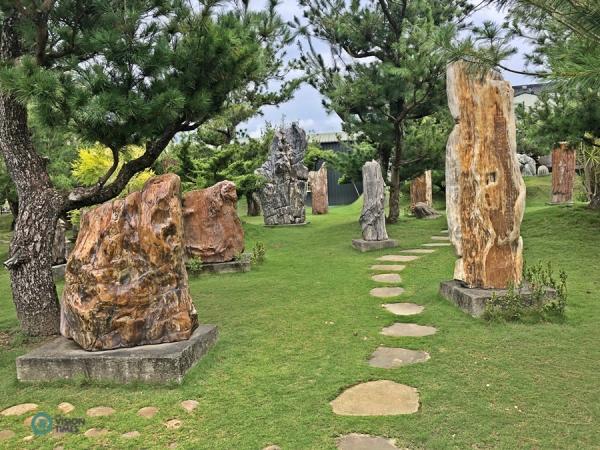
420, 190
59, 247
213, 231
282, 196
485, 193
372, 219
318, 189
126, 283
563, 173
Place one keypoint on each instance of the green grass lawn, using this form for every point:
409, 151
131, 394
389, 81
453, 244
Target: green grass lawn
279, 360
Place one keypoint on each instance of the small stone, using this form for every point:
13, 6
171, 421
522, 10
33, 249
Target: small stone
390, 358
28, 438
189, 405
272, 447
60, 447
408, 329
440, 238
437, 244
355, 441
95, 432
404, 309
17, 410
387, 278
388, 267
131, 435
6, 434
100, 411
398, 258
147, 412
27, 422
421, 251
173, 424
172, 445
65, 408
386, 292
377, 398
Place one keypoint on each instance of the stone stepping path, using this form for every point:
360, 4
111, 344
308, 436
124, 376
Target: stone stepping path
65, 407
386, 292
437, 244
388, 267
355, 441
19, 410
390, 358
131, 435
440, 238
377, 398
387, 278
398, 258
95, 432
408, 330
422, 251
404, 309
100, 411
147, 412
6, 434
189, 405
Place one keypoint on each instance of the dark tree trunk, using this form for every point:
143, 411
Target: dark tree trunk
394, 204
14, 210
253, 203
384, 160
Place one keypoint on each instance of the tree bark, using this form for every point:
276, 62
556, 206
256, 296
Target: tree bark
253, 202
14, 210
384, 160
595, 201
394, 204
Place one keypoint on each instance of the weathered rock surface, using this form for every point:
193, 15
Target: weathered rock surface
100, 411
526, 165
6, 434
65, 407
17, 410
420, 190
189, 405
418, 251
355, 441
390, 358
212, 229
318, 189
563, 173
404, 309
424, 211
372, 218
387, 278
398, 258
485, 192
59, 246
385, 292
388, 267
377, 398
408, 330
147, 412
126, 283
95, 432
543, 171
282, 197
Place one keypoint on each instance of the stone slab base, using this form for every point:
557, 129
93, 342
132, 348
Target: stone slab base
239, 265
369, 246
560, 203
283, 225
63, 359
473, 301
59, 271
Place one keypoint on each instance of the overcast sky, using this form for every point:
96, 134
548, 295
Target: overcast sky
306, 107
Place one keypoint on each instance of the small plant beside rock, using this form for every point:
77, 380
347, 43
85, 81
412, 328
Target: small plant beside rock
194, 265
258, 253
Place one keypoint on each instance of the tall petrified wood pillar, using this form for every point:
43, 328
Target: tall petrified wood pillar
420, 190
318, 188
563, 173
485, 193
126, 282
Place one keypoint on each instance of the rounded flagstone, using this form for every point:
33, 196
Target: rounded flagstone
377, 398
20, 409
147, 412
388, 267
95, 432
437, 244
6, 434
387, 278
404, 309
173, 424
65, 407
440, 238
408, 329
100, 411
421, 251
390, 358
189, 405
385, 292
28, 438
398, 258
272, 447
27, 422
131, 435
355, 441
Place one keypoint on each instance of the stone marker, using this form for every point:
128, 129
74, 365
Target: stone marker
403, 309
212, 229
377, 398
420, 190
318, 189
390, 358
408, 330
398, 258
372, 218
388, 267
19, 410
100, 411
147, 412
282, 196
126, 283
355, 441
59, 248
418, 251
385, 292
65, 407
485, 193
563, 173
387, 278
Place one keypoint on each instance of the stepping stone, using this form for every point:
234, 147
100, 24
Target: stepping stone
272, 447
6, 434
173, 424
444, 232
65, 408
438, 244
404, 309
100, 411
377, 398
422, 251
28, 438
385, 292
408, 330
389, 267
95, 432
147, 412
131, 435
390, 358
387, 278
398, 258
355, 441
189, 405
440, 238
20, 409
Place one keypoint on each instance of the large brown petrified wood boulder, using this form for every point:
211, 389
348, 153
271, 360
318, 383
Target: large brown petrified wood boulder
563, 173
126, 283
286, 176
213, 231
485, 193
318, 189
420, 190
372, 218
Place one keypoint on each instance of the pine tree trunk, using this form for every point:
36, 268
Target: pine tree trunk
253, 203
394, 204
384, 160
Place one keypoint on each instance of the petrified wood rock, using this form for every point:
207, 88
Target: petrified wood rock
282, 197
213, 231
126, 282
59, 246
485, 193
424, 211
372, 219
318, 188
420, 190
527, 164
563, 173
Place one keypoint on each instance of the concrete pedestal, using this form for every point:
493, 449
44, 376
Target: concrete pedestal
368, 246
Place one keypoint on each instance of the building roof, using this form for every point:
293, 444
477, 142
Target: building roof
331, 137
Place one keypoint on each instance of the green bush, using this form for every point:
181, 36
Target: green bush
258, 253
194, 265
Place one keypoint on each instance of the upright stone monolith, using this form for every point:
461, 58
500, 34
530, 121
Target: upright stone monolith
318, 188
282, 196
563, 173
420, 190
